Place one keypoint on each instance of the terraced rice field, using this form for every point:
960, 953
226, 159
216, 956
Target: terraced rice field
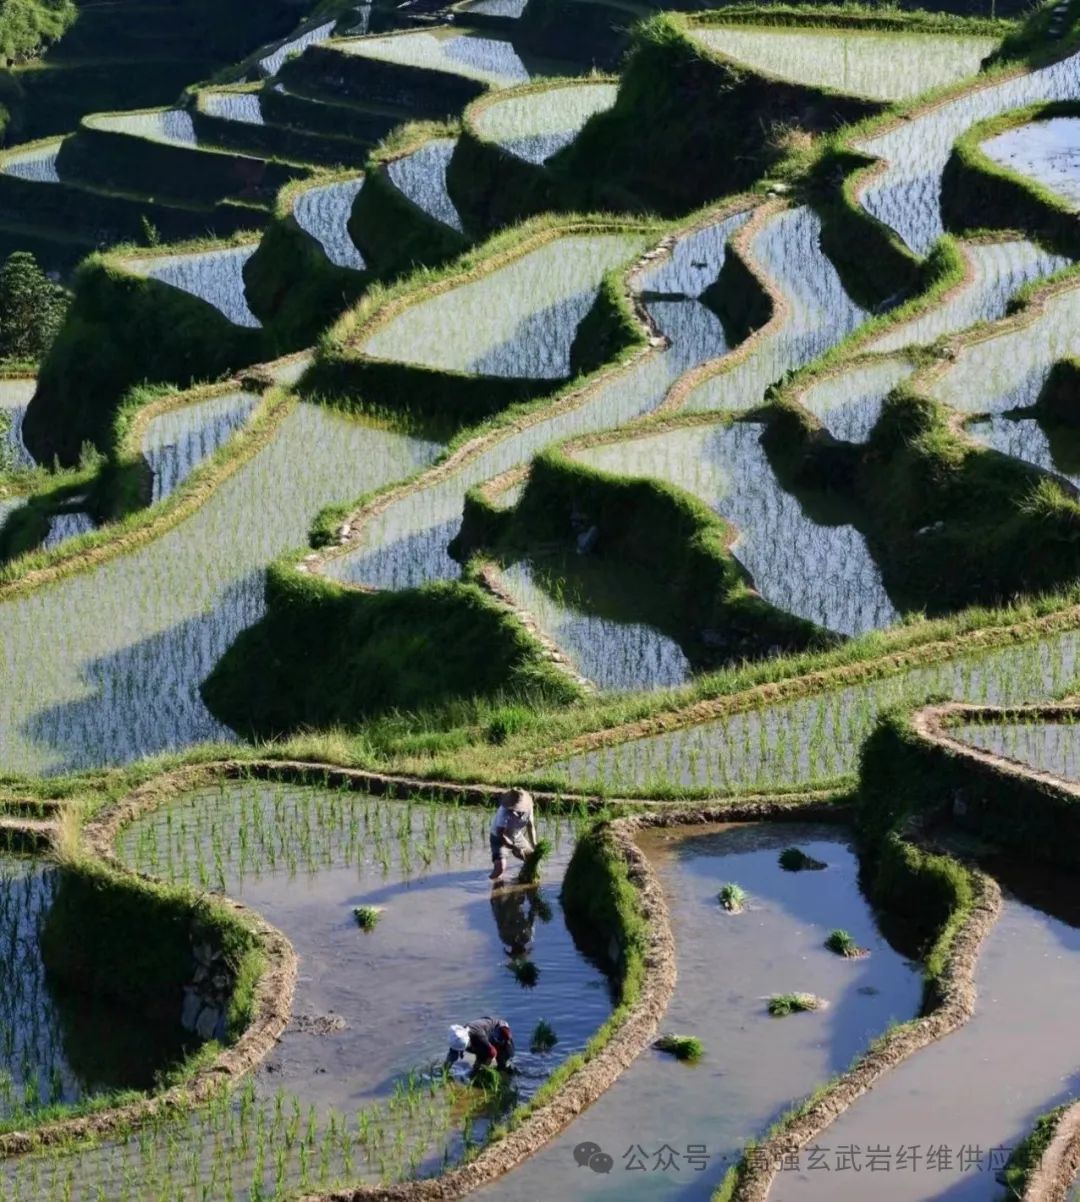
323, 212
213, 276
520, 321
537, 125
1047, 151
158, 125
421, 178
882, 66
269, 650
489, 60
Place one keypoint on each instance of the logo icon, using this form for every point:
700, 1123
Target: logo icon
590, 1155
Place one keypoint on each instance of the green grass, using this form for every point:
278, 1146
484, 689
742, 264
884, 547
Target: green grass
367, 917
783, 1004
687, 1048
732, 897
1027, 1154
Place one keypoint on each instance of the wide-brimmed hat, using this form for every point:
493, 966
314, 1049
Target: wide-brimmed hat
517, 799
459, 1038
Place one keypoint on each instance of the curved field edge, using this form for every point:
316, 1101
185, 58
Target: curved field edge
912, 770
609, 881
864, 658
979, 193
876, 265
1023, 806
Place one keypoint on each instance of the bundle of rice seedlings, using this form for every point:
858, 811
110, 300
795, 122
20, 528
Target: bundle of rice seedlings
530, 866
782, 1004
732, 897
366, 917
682, 1047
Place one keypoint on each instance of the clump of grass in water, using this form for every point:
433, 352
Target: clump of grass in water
782, 1004
732, 898
543, 1038
367, 917
525, 972
794, 859
843, 944
530, 867
682, 1047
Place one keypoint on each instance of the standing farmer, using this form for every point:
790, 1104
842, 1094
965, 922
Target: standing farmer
513, 828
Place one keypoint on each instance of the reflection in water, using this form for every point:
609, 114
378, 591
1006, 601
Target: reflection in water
753, 1065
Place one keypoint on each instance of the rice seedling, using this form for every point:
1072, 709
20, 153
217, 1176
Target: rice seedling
543, 1037
405, 543
783, 1004
421, 176
176, 441
732, 898
530, 866
158, 125
517, 321
613, 654
367, 917
270, 64
232, 106
185, 596
37, 164
996, 272
1011, 367
683, 1047
843, 944
323, 212
794, 859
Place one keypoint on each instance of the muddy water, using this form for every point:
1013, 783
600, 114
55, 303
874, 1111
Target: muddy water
753, 1065
975, 1094
437, 956
371, 1009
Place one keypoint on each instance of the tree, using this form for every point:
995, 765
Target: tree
27, 25
32, 308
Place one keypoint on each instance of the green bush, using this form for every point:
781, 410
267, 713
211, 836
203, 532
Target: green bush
328, 656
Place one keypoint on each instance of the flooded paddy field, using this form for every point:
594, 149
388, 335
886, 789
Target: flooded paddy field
353, 1091
672, 1129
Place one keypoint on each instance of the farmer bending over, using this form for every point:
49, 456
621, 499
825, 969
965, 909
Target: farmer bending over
487, 1038
513, 827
